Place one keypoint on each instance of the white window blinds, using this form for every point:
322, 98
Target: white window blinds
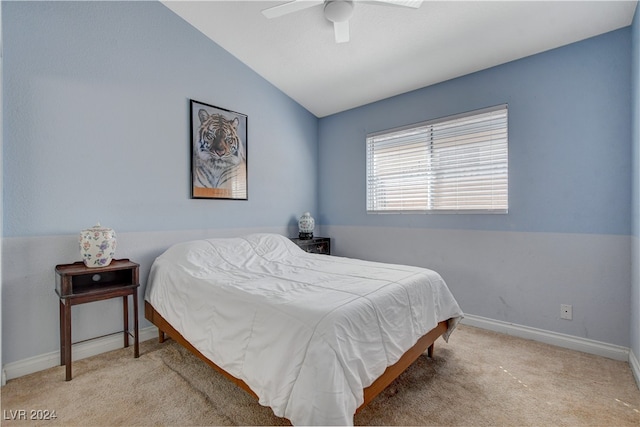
454, 164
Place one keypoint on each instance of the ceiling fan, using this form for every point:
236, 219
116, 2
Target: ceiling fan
337, 11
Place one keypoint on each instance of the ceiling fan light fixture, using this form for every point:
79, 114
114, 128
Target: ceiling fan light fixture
338, 10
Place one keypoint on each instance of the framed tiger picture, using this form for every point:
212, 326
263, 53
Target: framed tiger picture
218, 153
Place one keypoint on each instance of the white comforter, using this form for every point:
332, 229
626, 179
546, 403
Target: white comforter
306, 332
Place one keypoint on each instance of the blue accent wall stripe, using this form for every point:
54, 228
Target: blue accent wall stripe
569, 142
96, 123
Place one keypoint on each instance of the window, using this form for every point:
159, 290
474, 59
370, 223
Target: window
457, 164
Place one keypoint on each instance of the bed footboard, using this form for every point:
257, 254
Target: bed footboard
425, 343
165, 328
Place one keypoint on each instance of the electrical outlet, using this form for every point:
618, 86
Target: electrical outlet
566, 311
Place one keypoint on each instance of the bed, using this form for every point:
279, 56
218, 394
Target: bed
314, 337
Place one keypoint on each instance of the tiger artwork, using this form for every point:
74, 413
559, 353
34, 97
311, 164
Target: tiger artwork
220, 162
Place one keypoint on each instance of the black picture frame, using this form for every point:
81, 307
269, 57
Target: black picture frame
219, 167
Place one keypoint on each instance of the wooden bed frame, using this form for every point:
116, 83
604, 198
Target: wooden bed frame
426, 343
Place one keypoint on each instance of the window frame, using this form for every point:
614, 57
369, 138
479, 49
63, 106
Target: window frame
427, 127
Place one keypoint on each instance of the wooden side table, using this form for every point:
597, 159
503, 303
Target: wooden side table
79, 284
315, 245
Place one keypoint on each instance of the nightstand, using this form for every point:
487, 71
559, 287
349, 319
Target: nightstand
315, 245
79, 284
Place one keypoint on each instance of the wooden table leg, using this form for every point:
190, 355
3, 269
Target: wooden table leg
136, 343
62, 330
125, 309
67, 339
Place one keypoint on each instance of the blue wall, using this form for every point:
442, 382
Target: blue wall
569, 133
96, 123
566, 238
635, 285
97, 128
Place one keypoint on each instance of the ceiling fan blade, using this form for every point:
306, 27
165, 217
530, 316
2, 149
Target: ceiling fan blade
341, 30
290, 7
404, 3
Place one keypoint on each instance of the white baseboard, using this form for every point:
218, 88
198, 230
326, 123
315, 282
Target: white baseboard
635, 367
584, 345
80, 351
114, 342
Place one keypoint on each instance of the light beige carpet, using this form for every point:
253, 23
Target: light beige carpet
479, 378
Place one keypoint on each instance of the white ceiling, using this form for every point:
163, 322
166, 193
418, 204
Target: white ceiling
392, 49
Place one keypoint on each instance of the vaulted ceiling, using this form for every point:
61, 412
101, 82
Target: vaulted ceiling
392, 49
